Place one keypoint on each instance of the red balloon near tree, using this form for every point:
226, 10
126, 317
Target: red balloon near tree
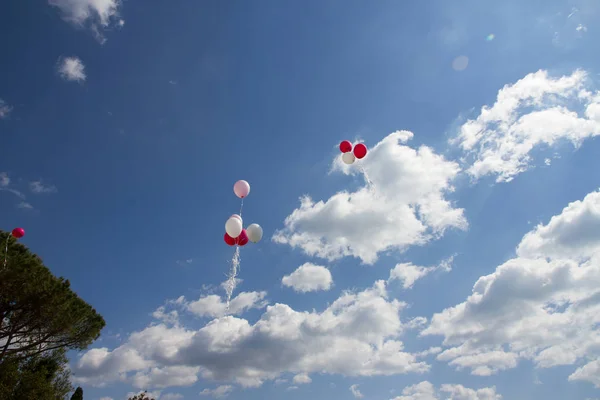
18, 233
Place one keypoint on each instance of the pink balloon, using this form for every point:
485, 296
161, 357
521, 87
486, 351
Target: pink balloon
242, 240
18, 233
236, 216
241, 189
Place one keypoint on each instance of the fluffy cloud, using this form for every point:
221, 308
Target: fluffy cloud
537, 110
408, 273
355, 392
357, 335
5, 109
166, 376
214, 306
543, 305
403, 204
426, 391
219, 392
97, 14
4, 179
39, 187
302, 379
308, 278
71, 69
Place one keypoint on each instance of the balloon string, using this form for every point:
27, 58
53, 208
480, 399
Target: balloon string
364, 172
232, 280
6, 249
241, 206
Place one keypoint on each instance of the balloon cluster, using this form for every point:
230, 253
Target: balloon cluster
235, 234
349, 156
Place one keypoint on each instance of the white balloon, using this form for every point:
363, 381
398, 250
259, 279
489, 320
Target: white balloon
348, 158
234, 227
254, 232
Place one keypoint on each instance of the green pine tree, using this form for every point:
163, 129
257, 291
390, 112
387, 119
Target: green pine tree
78, 395
38, 311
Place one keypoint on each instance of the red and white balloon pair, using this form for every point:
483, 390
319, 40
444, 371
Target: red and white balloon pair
235, 234
349, 155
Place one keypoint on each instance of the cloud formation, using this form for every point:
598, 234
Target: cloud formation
408, 273
426, 391
543, 305
218, 393
355, 392
538, 110
308, 278
357, 335
5, 109
96, 14
404, 205
71, 69
39, 187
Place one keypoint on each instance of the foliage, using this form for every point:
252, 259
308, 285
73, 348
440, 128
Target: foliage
38, 311
141, 396
78, 395
42, 376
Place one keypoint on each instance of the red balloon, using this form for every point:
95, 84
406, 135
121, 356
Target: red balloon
242, 240
229, 240
345, 146
18, 233
360, 150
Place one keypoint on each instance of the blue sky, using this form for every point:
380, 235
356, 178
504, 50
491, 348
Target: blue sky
125, 125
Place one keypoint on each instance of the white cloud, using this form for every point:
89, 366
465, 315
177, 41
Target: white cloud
420, 391
357, 335
106, 398
166, 377
5, 186
71, 69
459, 392
355, 392
404, 205
409, 273
535, 111
543, 305
590, 372
97, 14
426, 391
5, 109
218, 393
25, 205
4, 179
215, 306
308, 278
302, 379
169, 318
39, 187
